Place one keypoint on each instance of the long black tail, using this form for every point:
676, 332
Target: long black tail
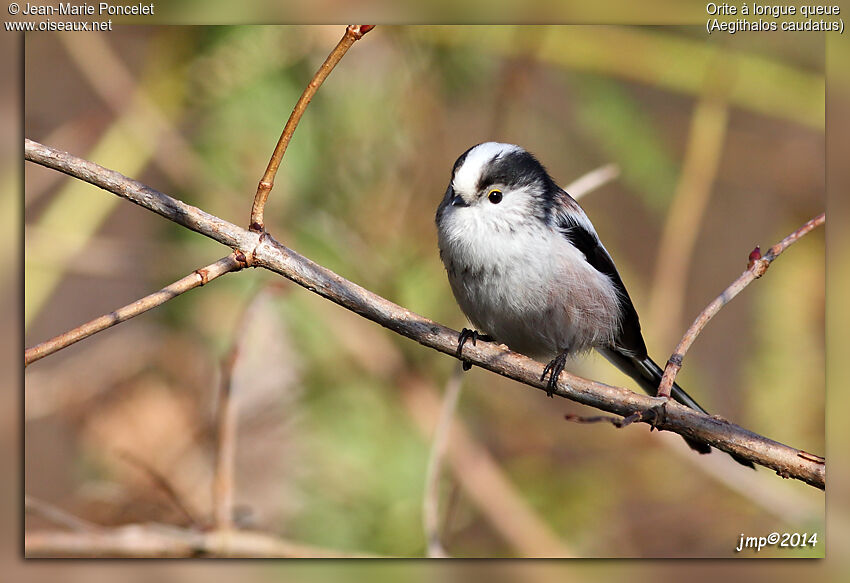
648, 376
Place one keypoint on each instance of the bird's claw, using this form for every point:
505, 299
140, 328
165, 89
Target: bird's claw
554, 369
467, 334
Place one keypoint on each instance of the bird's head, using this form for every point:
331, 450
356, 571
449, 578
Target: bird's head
500, 182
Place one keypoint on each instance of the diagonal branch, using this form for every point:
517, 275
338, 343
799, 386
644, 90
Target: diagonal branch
56, 515
592, 180
758, 265
264, 251
353, 33
195, 279
162, 483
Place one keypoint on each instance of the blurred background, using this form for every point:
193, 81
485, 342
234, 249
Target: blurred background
720, 145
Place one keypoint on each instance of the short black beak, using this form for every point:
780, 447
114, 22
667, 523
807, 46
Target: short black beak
456, 199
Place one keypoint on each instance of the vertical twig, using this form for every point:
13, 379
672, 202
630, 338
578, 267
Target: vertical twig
431, 499
758, 265
353, 33
226, 447
482, 478
226, 422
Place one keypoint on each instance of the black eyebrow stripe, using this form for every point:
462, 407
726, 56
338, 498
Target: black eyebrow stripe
514, 169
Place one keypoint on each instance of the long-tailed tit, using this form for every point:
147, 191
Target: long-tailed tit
528, 269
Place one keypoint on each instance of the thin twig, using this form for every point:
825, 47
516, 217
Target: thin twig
758, 265
353, 33
225, 458
57, 515
497, 499
592, 180
263, 251
481, 476
162, 483
431, 499
224, 478
195, 279
160, 540
618, 422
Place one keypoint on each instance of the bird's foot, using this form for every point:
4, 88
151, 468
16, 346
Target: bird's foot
656, 415
553, 369
465, 335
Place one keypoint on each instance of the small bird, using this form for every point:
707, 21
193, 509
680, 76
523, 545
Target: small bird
528, 269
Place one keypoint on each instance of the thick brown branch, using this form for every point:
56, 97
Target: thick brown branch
352, 34
195, 279
267, 253
758, 265
174, 210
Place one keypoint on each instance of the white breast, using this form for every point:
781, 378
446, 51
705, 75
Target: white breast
525, 285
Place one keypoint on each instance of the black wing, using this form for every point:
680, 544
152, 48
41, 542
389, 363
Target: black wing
628, 352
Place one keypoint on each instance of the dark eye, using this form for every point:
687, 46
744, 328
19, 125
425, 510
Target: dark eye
495, 196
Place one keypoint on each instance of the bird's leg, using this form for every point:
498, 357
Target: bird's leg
553, 369
465, 335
